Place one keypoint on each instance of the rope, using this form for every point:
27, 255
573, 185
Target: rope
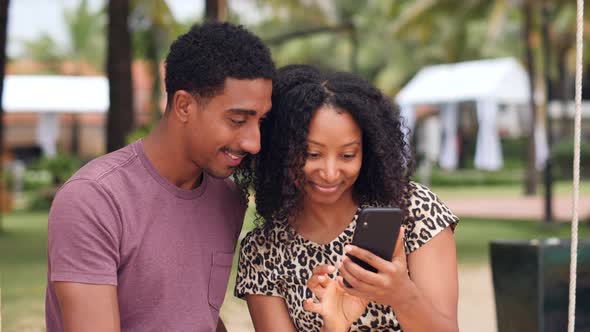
576, 177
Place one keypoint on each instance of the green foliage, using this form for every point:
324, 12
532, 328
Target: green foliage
41, 200
86, 40
86, 30
7, 180
139, 132
45, 176
45, 50
61, 167
37, 179
563, 159
473, 177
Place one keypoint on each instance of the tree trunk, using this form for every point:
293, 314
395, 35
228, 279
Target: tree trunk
531, 172
120, 115
548, 172
3, 25
215, 10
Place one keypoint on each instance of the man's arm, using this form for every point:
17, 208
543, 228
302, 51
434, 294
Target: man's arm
220, 326
88, 307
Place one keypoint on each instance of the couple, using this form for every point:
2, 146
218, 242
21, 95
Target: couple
142, 239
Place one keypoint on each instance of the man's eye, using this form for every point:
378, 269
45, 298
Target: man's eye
238, 122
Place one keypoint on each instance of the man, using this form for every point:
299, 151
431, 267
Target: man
142, 239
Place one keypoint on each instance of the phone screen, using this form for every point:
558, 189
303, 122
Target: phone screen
377, 230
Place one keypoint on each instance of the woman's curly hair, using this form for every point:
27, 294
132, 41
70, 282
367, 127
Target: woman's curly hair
298, 92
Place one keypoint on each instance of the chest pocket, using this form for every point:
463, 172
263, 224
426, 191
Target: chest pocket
220, 267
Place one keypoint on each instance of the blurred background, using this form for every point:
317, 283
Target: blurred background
485, 88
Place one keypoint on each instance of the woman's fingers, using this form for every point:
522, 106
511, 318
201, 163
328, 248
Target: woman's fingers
323, 269
310, 306
353, 280
318, 284
368, 257
351, 291
400, 251
359, 272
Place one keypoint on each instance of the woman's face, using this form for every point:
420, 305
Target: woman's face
334, 155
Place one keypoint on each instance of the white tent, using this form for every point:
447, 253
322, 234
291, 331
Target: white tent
51, 95
489, 83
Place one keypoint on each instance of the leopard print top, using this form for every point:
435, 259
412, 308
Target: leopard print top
278, 263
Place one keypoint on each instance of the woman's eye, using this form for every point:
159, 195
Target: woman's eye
349, 156
312, 155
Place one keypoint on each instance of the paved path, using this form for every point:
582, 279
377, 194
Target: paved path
519, 208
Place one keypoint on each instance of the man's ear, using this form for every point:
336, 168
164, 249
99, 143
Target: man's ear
183, 103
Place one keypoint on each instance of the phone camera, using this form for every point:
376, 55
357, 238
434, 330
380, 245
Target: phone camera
365, 224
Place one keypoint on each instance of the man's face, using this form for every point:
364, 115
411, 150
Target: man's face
224, 129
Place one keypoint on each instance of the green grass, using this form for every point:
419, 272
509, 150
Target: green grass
23, 258
23, 271
473, 235
561, 188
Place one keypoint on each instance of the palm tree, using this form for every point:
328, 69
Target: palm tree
215, 10
85, 31
153, 26
3, 25
120, 114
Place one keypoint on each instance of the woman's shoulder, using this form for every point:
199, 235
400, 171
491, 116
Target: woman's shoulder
422, 197
428, 216
265, 237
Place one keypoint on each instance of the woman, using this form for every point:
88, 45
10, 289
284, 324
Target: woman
331, 145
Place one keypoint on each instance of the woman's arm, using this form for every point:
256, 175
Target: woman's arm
433, 270
427, 301
269, 313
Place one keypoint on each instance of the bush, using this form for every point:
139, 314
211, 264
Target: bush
562, 155
45, 176
34, 180
513, 150
7, 181
61, 167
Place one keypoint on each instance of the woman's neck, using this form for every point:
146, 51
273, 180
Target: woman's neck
322, 223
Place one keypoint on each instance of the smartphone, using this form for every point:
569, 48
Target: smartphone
377, 230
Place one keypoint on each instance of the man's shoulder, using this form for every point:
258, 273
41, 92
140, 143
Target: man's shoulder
102, 166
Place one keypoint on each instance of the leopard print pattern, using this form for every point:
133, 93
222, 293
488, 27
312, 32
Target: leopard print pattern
279, 262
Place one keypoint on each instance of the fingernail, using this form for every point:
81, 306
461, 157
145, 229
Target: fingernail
321, 278
347, 248
331, 268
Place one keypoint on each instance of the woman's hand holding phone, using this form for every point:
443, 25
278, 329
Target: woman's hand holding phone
390, 285
338, 308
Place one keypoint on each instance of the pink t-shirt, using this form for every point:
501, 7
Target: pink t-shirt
168, 250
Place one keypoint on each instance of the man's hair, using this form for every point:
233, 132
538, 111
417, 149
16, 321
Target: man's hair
200, 60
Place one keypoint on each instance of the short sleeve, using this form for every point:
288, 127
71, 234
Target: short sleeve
428, 217
83, 235
255, 276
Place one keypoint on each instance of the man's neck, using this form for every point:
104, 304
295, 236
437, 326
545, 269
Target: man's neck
167, 153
